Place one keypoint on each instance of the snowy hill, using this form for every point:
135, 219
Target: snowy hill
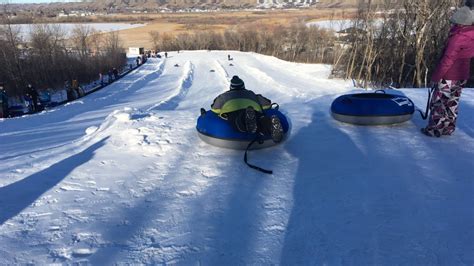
121, 176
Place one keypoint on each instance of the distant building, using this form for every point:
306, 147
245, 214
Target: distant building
357, 2
136, 50
75, 13
286, 2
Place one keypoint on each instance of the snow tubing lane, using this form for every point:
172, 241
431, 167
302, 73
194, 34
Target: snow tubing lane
372, 108
218, 132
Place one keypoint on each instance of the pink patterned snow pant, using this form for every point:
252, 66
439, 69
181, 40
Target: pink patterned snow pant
444, 108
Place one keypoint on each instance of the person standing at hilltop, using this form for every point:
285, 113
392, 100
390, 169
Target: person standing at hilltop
451, 73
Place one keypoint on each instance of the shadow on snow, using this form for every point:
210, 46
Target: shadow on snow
19, 195
366, 197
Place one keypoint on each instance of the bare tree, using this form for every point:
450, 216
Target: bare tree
46, 59
114, 49
81, 39
155, 39
46, 52
396, 43
10, 53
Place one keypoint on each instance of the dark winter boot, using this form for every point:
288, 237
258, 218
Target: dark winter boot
431, 133
276, 130
250, 120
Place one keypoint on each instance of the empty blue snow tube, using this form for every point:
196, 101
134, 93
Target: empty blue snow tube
218, 132
372, 108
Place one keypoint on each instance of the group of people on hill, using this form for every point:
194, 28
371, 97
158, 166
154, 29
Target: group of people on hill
31, 95
112, 74
73, 90
35, 99
141, 59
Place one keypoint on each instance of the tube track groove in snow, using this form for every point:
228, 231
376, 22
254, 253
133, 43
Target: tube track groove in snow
185, 83
270, 81
154, 74
138, 83
221, 69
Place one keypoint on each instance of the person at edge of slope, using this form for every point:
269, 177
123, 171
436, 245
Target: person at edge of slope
76, 88
110, 76
452, 73
244, 110
115, 73
33, 94
3, 101
71, 94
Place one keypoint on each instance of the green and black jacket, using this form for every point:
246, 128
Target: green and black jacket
234, 100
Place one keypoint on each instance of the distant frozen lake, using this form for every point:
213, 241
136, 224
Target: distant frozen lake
338, 24
25, 29
335, 25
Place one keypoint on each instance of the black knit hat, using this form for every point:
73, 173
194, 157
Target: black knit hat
469, 3
463, 16
236, 83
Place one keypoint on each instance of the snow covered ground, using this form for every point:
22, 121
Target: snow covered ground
121, 176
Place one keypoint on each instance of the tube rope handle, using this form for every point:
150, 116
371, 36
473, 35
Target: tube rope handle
254, 166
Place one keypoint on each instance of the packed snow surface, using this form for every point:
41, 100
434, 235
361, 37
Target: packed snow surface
120, 176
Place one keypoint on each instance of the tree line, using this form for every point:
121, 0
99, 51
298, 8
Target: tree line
398, 44
32, 18
293, 42
48, 56
395, 43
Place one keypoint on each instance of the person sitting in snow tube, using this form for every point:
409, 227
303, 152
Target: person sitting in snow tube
243, 109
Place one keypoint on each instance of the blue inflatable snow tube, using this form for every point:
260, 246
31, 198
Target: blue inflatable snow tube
372, 108
216, 131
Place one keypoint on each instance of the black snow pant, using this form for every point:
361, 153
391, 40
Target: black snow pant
35, 103
237, 120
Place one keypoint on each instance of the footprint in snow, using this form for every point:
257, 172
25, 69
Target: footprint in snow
91, 130
186, 193
82, 252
